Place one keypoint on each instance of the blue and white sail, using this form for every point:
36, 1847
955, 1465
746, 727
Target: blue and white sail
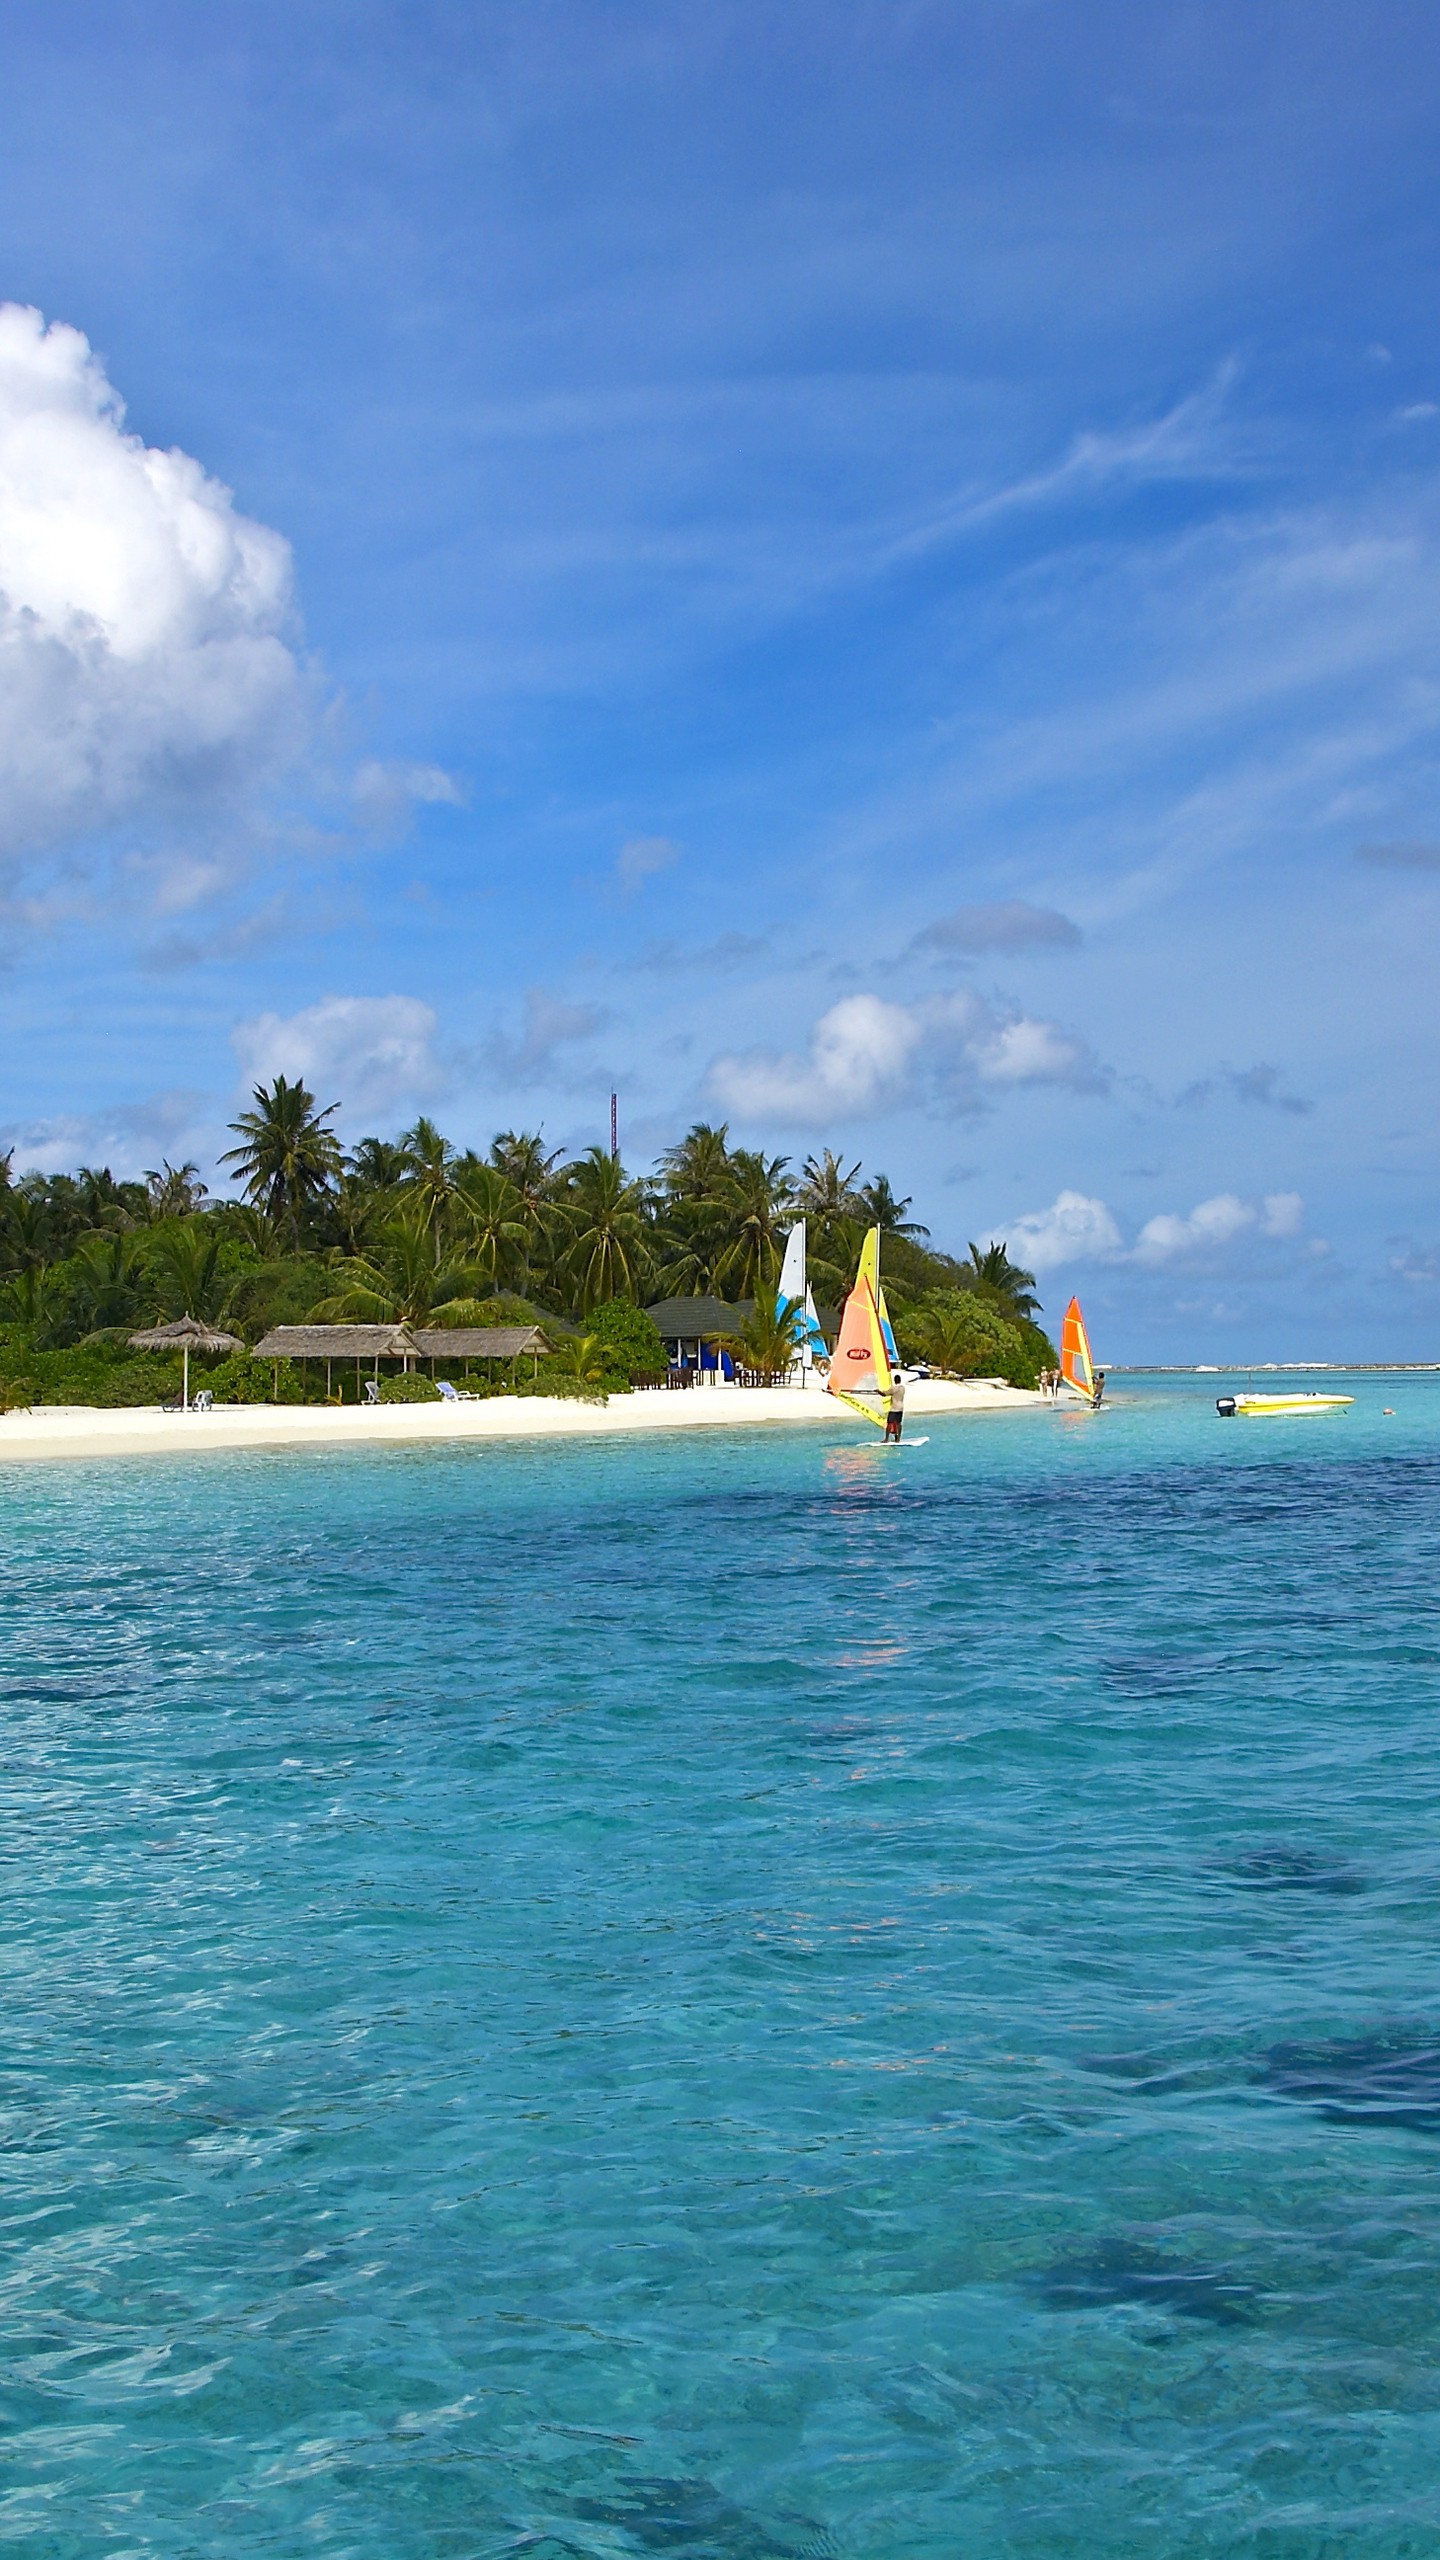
794, 1291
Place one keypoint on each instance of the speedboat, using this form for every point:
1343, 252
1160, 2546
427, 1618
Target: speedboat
1307, 1402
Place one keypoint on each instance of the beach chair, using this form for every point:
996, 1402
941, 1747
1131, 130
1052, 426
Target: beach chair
204, 1402
372, 1390
451, 1394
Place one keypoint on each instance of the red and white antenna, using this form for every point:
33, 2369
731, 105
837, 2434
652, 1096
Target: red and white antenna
615, 1128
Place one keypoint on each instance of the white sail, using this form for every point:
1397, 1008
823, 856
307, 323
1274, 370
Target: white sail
794, 1291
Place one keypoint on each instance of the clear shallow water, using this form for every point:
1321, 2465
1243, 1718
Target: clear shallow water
752, 1999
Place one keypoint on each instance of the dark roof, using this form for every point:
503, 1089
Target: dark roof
692, 1319
185, 1329
477, 1342
336, 1342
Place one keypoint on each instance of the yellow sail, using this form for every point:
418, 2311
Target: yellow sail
864, 1358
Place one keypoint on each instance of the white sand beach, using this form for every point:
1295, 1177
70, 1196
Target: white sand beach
83, 1431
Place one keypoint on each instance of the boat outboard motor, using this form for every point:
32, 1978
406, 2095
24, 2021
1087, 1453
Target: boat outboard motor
1225, 1405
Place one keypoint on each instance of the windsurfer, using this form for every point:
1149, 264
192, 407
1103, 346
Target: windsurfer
1099, 1385
895, 1418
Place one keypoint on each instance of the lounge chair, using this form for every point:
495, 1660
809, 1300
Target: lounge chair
204, 1402
452, 1394
372, 1390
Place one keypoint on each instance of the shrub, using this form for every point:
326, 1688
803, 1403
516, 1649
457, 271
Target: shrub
628, 1343
409, 1388
965, 1337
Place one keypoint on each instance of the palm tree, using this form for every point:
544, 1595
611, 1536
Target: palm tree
697, 1167
758, 1203
520, 1155
883, 1210
769, 1340
106, 1284
827, 1189
834, 1211
1002, 1281
378, 1164
429, 1170
490, 1215
408, 1279
176, 1191
608, 1253
288, 1159
26, 1232
185, 1261
31, 1297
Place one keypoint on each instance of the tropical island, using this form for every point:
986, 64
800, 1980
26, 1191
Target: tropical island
575, 1257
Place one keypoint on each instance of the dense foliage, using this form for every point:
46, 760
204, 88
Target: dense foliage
418, 1231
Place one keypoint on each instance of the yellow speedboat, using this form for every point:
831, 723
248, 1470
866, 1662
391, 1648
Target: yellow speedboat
1306, 1403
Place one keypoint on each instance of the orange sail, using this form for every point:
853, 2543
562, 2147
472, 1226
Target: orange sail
860, 1365
1077, 1368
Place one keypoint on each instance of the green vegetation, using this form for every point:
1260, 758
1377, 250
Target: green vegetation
418, 1231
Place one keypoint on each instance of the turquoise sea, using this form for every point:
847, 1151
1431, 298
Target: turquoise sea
735, 1998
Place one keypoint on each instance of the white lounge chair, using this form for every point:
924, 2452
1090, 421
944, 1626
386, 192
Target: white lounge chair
204, 1402
452, 1394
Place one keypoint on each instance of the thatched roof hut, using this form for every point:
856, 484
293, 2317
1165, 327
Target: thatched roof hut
186, 1334
337, 1342
478, 1342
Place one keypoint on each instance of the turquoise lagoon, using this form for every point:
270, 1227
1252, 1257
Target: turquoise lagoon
740, 1998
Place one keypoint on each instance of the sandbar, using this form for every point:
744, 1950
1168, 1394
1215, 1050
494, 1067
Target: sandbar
88, 1431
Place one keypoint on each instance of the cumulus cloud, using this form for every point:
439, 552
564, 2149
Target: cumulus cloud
1077, 1229
372, 1054
1213, 1225
868, 1055
1011, 926
1074, 1229
146, 666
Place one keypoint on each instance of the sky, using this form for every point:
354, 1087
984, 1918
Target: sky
867, 572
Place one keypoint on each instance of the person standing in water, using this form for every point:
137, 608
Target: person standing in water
895, 1418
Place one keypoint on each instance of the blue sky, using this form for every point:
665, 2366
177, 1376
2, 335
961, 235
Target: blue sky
871, 572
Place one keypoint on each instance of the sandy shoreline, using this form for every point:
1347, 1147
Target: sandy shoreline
72, 1431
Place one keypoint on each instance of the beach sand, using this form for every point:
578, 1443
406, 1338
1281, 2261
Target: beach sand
83, 1431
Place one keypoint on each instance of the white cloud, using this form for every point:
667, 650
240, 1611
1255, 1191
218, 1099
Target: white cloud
1208, 1228
867, 1055
372, 1054
1073, 1229
145, 667
1214, 1225
127, 1139
1029, 1052
1077, 1229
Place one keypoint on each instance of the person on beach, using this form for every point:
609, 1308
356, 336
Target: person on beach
895, 1418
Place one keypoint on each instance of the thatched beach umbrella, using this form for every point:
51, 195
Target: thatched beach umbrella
187, 1334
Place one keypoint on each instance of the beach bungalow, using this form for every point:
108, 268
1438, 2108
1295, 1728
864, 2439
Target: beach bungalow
332, 1342
692, 1329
